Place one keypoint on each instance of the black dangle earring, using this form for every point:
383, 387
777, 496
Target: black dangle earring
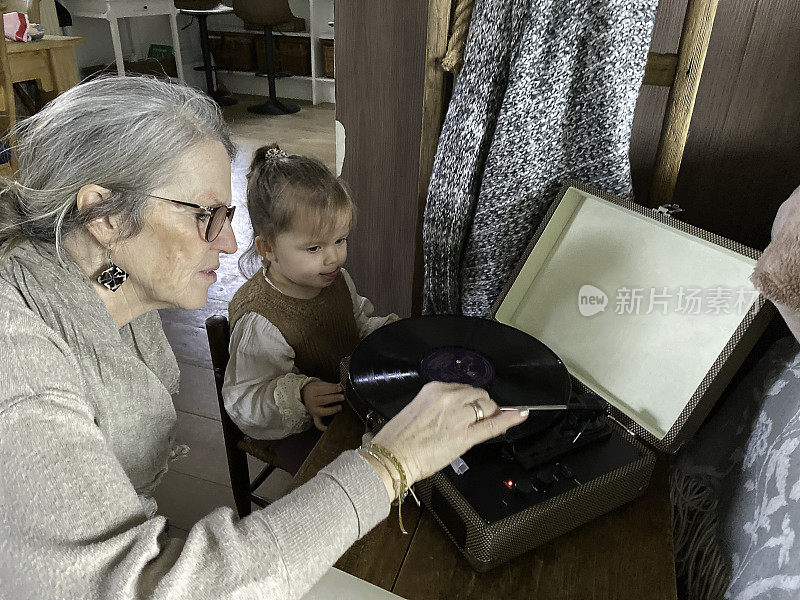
112, 277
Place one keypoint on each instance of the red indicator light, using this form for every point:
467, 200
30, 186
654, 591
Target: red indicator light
509, 484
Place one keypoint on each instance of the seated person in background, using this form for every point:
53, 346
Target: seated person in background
736, 485
295, 319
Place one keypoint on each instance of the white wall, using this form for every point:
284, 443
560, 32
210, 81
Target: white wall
144, 31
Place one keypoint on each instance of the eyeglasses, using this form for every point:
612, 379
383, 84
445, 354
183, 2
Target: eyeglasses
218, 214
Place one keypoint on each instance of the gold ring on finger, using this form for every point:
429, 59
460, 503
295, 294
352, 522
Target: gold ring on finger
478, 410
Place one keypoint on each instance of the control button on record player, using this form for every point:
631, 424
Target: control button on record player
565, 470
525, 486
545, 478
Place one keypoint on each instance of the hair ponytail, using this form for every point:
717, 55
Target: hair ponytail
267, 155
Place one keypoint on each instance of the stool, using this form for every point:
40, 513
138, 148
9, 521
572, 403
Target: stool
202, 10
267, 13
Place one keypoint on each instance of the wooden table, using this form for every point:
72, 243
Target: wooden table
49, 61
626, 554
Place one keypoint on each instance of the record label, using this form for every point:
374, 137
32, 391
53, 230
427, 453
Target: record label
457, 365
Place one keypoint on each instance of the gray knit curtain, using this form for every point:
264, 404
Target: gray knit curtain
547, 93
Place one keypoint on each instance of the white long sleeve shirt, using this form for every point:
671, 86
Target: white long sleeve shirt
262, 384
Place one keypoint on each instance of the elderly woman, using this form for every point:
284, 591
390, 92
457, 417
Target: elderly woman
122, 207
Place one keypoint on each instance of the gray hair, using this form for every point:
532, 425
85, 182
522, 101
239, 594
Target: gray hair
122, 133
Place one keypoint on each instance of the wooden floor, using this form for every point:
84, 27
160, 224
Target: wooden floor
198, 483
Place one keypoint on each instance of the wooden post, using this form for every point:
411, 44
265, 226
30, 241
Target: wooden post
691, 56
432, 117
9, 117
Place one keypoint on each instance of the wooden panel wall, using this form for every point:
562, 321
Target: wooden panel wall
742, 157
380, 60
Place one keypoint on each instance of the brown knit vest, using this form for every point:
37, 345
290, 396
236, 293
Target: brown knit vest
321, 331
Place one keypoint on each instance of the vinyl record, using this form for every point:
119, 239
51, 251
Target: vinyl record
390, 366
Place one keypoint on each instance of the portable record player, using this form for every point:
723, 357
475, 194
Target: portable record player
626, 323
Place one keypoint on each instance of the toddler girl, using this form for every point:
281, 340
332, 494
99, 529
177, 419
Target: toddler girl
299, 315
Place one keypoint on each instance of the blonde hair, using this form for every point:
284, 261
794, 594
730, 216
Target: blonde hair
284, 189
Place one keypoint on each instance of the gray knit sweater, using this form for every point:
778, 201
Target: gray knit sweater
72, 524
547, 93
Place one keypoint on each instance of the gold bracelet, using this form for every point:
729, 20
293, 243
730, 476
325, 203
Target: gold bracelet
382, 463
404, 487
407, 488
380, 459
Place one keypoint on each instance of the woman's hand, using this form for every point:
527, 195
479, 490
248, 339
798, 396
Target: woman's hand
440, 424
322, 399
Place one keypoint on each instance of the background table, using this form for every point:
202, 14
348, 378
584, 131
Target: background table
113, 10
50, 61
626, 554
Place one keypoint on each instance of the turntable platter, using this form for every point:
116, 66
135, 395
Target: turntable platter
390, 366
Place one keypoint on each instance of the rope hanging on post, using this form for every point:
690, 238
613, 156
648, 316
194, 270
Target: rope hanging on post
454, 57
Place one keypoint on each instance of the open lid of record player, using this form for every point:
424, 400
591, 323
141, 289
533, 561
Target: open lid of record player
652, 314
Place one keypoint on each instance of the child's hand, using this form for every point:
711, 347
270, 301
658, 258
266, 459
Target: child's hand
318, 396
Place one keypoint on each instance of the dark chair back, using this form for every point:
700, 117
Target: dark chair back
200, 4
219, 335
263, 12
